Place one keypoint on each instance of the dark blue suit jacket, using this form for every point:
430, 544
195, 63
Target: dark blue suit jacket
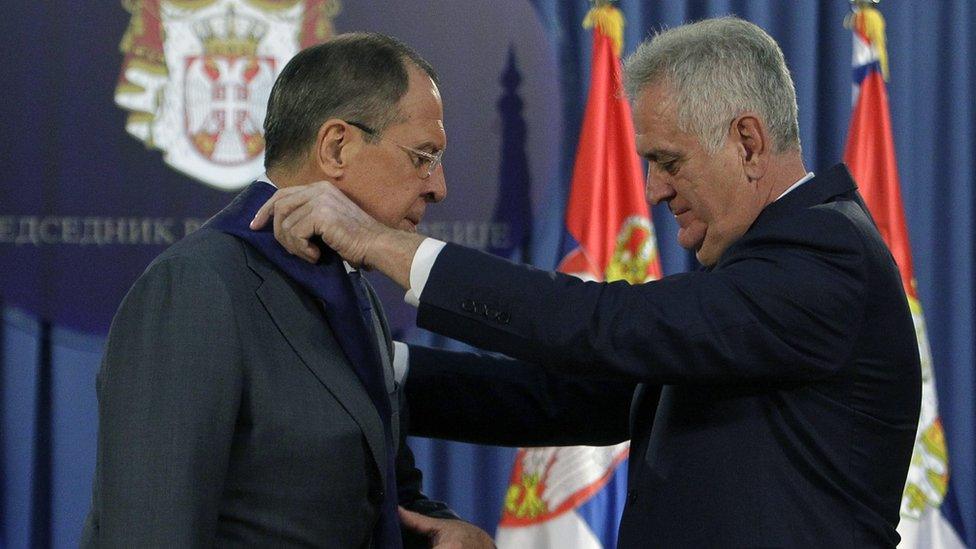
778, 392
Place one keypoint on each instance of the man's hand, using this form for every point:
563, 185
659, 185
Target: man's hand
446, 533
301, 213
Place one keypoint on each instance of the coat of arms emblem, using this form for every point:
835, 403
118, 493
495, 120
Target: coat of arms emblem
547, 484
197, 75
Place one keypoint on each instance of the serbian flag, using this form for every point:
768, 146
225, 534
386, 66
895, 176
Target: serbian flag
572, 497
870, 154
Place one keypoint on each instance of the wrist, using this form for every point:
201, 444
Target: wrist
391, 252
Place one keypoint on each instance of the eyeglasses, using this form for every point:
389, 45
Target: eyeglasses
425, 162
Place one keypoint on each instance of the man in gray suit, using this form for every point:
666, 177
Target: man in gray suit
249, 398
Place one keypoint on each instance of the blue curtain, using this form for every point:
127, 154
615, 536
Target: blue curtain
47, 401
48, 427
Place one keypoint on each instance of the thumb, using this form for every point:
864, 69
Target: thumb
418, 523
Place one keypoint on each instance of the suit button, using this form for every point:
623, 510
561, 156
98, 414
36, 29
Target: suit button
467, 305
631, 496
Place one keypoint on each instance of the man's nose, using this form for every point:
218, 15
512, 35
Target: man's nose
436, 189
657, 188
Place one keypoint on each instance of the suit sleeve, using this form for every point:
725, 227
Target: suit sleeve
494, 400
783, 309
169, 391
410, 479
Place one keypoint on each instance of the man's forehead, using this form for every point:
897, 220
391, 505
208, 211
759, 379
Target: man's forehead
428, 133
421, 90
420, 111
650, 137
653, 106
422, 102
656, 121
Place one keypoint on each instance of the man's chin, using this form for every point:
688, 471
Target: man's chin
692, 245
691, 236
695, 243
705, 258
711, 251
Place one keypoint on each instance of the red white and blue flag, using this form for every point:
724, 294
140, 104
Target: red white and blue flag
870, 154
572, 497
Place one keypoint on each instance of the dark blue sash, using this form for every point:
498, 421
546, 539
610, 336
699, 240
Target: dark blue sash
349, 314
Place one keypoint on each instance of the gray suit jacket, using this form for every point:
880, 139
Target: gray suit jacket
228, 414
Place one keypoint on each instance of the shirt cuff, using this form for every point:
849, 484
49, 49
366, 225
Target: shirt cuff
401, 362
423, 262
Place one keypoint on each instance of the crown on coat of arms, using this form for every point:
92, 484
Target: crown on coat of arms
230, 35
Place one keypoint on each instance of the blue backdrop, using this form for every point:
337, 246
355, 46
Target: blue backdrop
67, 154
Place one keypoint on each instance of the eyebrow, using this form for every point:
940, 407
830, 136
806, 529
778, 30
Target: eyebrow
428, 145
654, 155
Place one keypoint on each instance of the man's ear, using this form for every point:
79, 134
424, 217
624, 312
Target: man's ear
749, 134
333, 145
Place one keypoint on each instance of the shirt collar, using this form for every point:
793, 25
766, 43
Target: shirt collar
802, 180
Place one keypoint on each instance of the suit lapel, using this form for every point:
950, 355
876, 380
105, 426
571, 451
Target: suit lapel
308, 334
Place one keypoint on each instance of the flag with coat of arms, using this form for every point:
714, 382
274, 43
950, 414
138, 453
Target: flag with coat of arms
572, 497
870, 154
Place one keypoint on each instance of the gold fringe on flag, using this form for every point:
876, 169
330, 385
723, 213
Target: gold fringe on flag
867, 20
608, 20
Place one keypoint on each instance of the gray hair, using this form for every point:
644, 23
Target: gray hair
358, 77
717, 69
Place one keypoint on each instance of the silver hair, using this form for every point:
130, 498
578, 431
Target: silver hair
717, 69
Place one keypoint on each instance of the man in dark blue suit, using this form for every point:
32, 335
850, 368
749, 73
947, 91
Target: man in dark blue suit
777, 390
